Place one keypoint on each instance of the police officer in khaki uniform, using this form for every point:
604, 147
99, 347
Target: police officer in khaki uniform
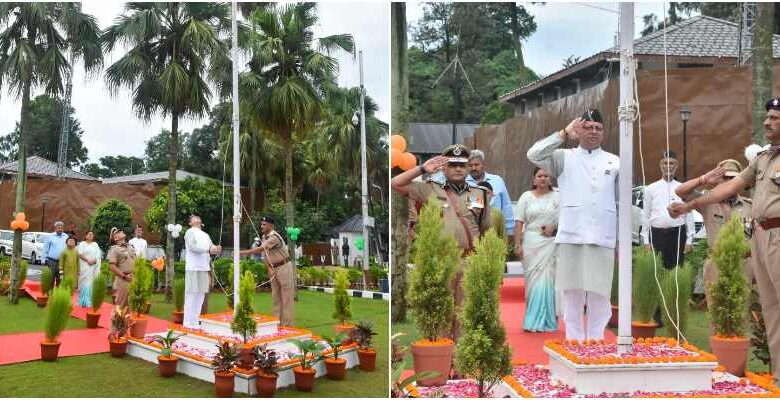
466, 208
280, 270
763, 174
717, 214
121, 258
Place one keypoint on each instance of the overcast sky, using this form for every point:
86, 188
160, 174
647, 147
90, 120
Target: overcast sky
565, 29
111, 128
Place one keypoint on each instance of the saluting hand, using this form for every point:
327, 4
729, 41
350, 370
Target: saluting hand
712, 177
575, 128
433, 164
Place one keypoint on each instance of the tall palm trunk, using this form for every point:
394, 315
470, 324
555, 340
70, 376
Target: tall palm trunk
762, 67
289, 202
171, 214
21, 189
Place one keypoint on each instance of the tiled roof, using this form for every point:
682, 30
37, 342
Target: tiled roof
42, 167
699, 36
152, 177
354, 224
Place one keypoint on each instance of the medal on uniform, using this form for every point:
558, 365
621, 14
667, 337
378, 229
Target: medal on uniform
776, 174
474, 202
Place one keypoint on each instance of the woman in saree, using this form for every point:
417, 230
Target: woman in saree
89, 267
536, 222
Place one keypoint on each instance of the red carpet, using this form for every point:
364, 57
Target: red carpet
525, 346
21, 347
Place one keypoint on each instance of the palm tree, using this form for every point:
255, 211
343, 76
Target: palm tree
33, 41
287, 72
174, 48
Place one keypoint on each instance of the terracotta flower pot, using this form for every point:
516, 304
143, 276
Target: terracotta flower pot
731, 353
138, 328
41, 301
433, 356
613, 319
118, 348
92, 319
167, 365
345, 328
178, 317
49, 350
246, 359
266, 384
304, 378
367, 359
643, 329
224, 383
336, 368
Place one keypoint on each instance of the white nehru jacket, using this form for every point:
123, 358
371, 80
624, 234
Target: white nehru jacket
197, 244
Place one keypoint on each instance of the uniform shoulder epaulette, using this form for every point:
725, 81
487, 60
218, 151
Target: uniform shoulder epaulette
746, 199
432, 180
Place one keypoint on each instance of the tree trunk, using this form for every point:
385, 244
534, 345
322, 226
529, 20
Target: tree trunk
400, 106
171, 213
762, 67
289, 203
21, 191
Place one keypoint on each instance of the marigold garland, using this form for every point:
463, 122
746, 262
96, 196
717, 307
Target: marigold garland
562, 348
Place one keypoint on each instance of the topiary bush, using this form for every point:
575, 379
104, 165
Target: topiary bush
482, 352
138, 291
341, 298
644, 291
98, 294
47, 280
436, 256
729, 293
108, 214
178, 294
244, 323
57, 314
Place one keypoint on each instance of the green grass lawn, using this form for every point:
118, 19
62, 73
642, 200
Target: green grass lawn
27, 317
698, 335
100, 375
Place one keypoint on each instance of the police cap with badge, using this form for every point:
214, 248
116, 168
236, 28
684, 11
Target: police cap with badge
456, 154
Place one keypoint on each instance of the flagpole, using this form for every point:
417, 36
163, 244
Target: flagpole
626, 113
236, 171
364, 170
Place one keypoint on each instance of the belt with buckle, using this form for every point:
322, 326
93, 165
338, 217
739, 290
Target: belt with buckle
769, 223
286, 260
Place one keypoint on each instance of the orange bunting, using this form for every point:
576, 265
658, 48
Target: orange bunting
395, 158
408, 161
398, 142
20, 216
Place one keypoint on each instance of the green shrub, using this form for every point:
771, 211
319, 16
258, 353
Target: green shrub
111, 213
57, 313
22, 272
498, 223
178, 294
729, 293
436, 256
759, 342
304, 277
5, 266
355, 275
677, 300
341, 298
137, 292
482, 352
244, 323
98, 292
178, 269
614, 293
644, 290
47, 280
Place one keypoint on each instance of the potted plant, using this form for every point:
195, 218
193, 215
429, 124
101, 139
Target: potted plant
265, 361
57, 315
431, 295
46, 282
400, 384
243, 323
728, 298
482, 352
166, 361
677, 291
117, 337
178, 301
97, 296
311, 352
148, 284
223, 362
364, 334
22, 276
341, 304
138, 295
644, 292
335, 367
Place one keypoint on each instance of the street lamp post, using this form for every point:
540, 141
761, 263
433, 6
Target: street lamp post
685, 115
360, 117
44, 200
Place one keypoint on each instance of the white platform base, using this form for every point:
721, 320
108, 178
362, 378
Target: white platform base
223, 328
654, 377
244, 383
514, 268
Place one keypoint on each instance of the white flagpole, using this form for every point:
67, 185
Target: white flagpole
364, 170
626, 114
236, 172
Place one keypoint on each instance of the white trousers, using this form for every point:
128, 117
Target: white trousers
193, 301
598, 313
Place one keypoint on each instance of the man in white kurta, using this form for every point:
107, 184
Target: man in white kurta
197, 255
587, 225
